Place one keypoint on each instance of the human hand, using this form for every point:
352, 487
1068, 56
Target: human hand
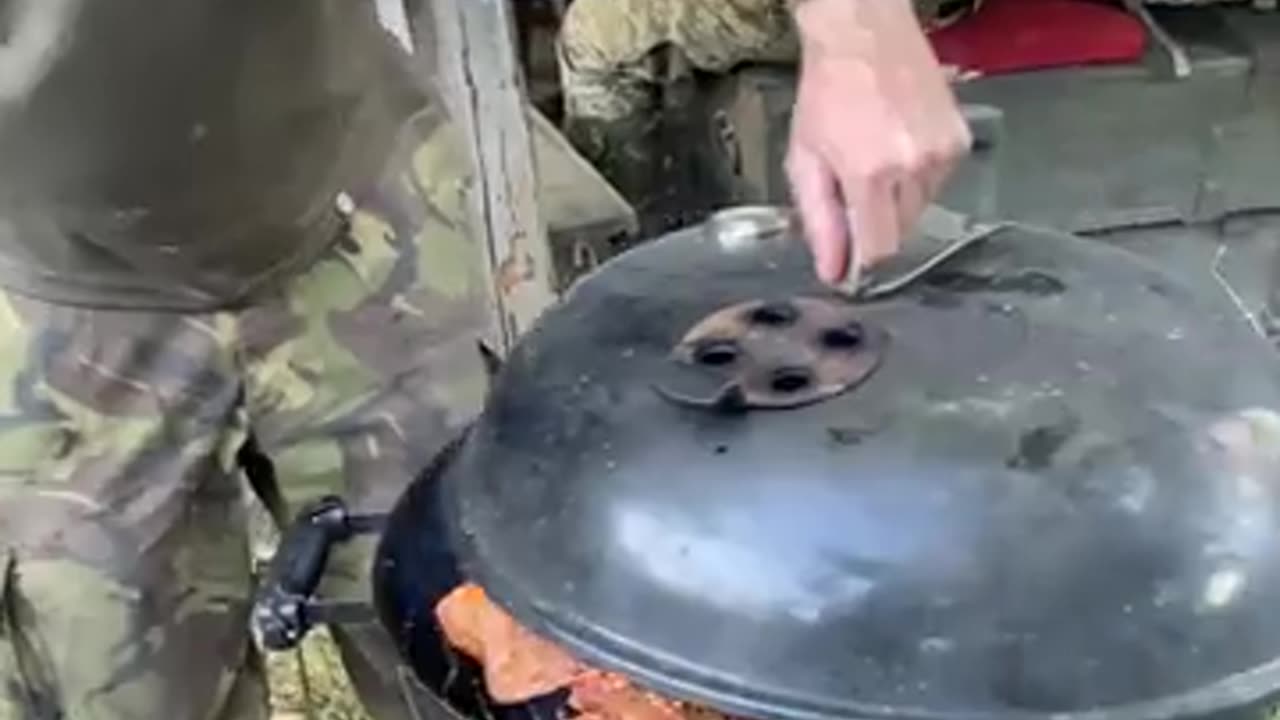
875, 133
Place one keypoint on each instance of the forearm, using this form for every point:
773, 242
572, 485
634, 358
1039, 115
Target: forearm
856, 27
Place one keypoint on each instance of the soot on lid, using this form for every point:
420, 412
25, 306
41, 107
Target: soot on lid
1028, 485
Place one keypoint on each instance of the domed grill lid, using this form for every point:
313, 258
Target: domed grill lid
1041, 480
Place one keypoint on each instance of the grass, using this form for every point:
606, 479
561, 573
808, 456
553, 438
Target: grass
311, 684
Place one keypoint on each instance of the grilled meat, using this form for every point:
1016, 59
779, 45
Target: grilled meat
520, 666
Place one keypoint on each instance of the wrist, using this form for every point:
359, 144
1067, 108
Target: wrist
852, 28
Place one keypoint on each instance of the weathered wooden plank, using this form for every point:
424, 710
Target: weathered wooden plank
478, 64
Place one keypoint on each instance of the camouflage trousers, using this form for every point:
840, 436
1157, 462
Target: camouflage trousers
614, 55
617, 60
126, 567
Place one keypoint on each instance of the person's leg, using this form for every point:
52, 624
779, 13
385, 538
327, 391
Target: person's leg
124, 574
617, 57
369, 363
610, 50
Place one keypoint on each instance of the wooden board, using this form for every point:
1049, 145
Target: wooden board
477, 61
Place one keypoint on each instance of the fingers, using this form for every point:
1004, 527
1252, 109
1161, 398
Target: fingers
912, 193
871, 208
873, 211
945, 153
818, 198
927, 168
871, 147
875, 206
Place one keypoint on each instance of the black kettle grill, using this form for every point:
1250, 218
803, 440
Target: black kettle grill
1040, 481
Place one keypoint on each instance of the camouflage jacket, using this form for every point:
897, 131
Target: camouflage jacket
185, 154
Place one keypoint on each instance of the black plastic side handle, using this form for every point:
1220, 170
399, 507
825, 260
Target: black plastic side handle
280, 614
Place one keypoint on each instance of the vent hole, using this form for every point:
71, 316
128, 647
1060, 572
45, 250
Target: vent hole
844, 338
790, 380
774, 314
716, 353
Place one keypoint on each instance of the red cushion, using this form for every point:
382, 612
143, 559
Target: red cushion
1007, 36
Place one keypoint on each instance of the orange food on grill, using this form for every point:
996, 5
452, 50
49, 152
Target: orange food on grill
520, 666
609, 696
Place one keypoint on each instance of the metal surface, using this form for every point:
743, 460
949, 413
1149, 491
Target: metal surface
774, 354
415, 568
1177, 54
1058, 494
938, 224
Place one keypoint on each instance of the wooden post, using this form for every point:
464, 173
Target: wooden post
477, 59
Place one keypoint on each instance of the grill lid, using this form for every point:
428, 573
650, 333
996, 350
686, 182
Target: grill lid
1041, 480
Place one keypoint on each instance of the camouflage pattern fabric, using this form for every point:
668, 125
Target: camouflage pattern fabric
617, 58
614, 54
126, 576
